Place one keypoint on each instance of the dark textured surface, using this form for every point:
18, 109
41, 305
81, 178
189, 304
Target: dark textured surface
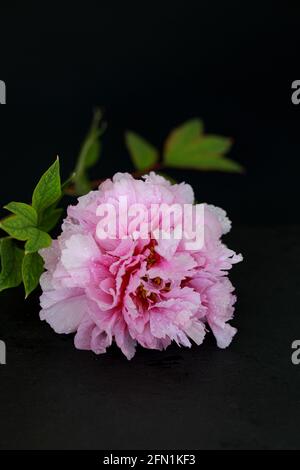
53, 396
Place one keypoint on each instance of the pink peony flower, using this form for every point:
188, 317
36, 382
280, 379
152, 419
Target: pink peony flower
137, 291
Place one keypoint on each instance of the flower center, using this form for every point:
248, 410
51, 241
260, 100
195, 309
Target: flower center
150, 289
152, 258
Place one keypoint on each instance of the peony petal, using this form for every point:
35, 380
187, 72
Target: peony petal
66, 315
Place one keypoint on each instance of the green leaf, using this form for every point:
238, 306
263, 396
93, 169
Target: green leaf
18, 227
11, 263
220, 164
32, 269
214, 144
143, 154
48, 189
187, 147
50, 218
23, 210
38, 240
209, 163
89, 154
182, 136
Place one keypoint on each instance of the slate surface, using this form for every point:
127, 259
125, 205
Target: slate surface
246, 397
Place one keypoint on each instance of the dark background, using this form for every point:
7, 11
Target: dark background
151, 66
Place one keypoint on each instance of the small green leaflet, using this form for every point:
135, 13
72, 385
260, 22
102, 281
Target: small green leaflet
182, 136
48, 189
216, 163
89, 154
38, 240
32, 269
11, 264
214, 144
187, 147
143, 154
24, 211
18, 227
21, 229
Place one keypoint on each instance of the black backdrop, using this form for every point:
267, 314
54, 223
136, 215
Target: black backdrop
152, 65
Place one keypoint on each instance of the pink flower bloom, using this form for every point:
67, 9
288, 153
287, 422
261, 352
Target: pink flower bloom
145, 291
